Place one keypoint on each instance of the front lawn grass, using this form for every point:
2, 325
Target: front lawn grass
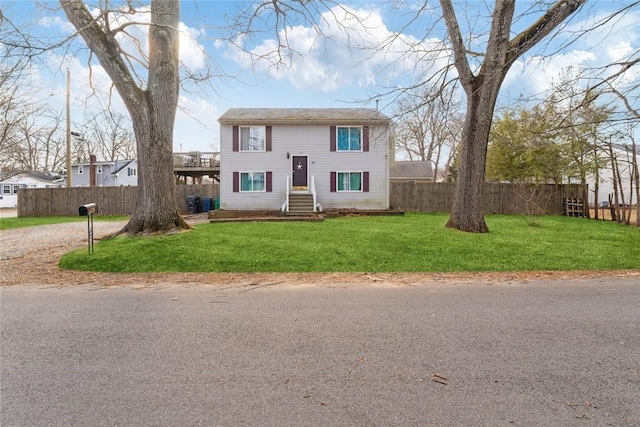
10, 223
413, 243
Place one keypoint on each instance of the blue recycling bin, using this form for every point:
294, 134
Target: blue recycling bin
206, 204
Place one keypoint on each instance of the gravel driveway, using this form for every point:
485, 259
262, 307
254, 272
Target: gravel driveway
30, 255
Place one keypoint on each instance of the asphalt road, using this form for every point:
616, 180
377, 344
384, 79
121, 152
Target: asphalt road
543, 353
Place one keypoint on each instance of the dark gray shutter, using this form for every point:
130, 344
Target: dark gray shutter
268, 183
365, 182
236, 182
365, 138
236, 138
333, 182
268, 139
332, 138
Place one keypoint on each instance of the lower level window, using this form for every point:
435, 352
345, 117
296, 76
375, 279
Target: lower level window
349, 181
252, 181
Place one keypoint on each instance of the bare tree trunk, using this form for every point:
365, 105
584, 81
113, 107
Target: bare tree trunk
596, 188
636, 177
467, 213
482, 92
614, 175
152, 110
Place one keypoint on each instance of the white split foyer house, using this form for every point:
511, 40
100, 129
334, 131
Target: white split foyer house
305, 159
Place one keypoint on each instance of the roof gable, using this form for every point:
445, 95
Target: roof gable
120, 166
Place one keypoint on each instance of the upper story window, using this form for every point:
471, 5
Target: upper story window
80, 169
349, 138
132, 171
6, 189
16, 188
252, 138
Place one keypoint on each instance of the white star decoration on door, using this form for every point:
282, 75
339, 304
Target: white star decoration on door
299, 166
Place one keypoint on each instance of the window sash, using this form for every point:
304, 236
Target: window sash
253, 138
6, 189
349, 181
349, 138
252, 181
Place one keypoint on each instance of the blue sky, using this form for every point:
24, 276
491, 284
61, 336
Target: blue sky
341, 69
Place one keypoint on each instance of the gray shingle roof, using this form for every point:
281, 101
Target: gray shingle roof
291, 116
411, 170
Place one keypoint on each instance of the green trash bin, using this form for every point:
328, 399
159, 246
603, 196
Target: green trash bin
216, 203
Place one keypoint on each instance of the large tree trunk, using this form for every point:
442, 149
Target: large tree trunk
482, 92
467, 213
156, 209
152, 110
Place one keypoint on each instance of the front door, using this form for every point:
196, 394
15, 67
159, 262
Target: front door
299, 173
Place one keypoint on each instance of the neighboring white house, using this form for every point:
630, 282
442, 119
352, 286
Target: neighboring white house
10, 186
269, 154
108, 173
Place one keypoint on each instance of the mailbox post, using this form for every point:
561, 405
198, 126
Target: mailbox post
88, 210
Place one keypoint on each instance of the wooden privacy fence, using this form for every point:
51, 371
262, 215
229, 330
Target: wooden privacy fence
110, 200
529, 199
407, 196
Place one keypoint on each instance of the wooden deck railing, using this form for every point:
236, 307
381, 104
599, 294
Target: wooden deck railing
196, 159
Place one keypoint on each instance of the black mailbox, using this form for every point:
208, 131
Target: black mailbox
88, 209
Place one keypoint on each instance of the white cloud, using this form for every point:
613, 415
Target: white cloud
134, 39
197, 125
192, 53
349, 47
607, 41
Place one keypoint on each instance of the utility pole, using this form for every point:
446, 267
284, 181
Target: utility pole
68, 129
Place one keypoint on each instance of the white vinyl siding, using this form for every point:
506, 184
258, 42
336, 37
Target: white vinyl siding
312, 141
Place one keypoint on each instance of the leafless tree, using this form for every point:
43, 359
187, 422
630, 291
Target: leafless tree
428, 125
151, 104
14, 105
40, 143
109, 136
482, 87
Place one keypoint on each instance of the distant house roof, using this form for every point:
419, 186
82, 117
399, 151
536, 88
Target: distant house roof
292, 116
34, 175
99, 162
120, 165
411, 170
